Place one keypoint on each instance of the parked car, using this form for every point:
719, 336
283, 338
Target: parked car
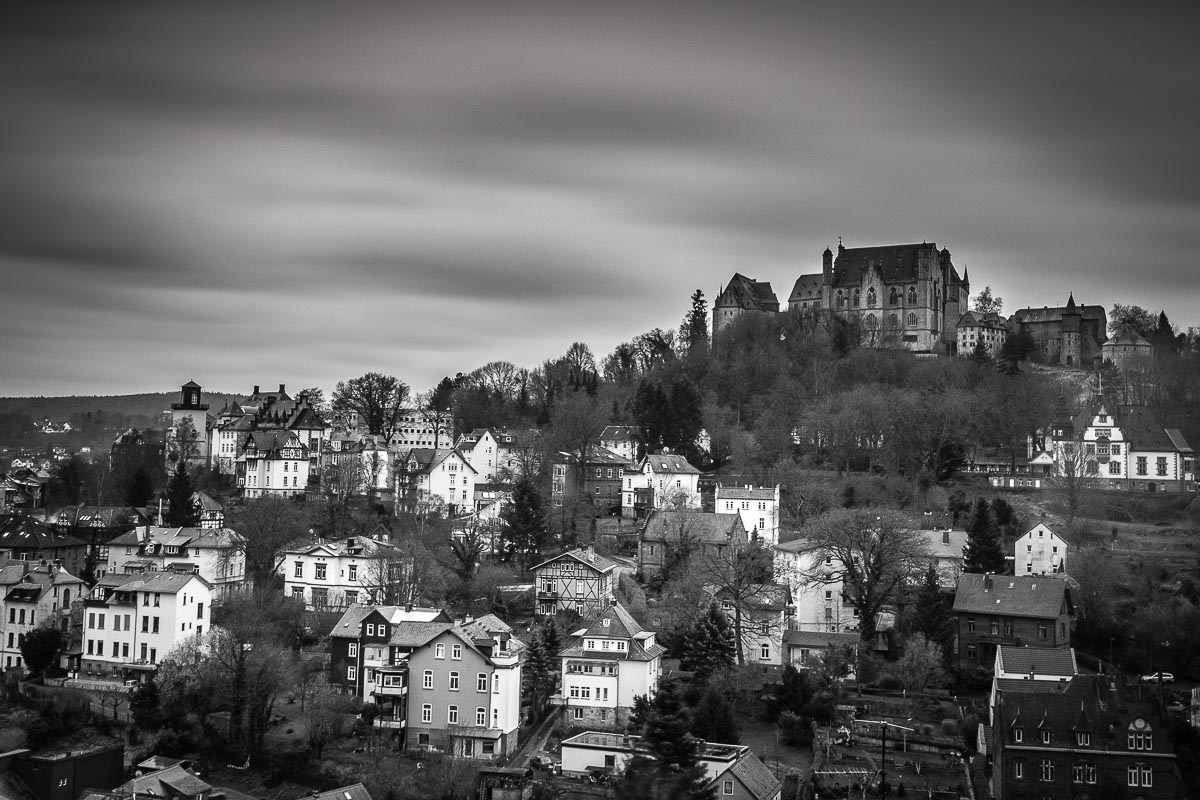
1165, 677
545, 763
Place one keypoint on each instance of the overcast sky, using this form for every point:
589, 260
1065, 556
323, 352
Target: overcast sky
299, 193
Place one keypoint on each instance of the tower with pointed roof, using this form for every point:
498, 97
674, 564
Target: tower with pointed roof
1069, 336
190, 408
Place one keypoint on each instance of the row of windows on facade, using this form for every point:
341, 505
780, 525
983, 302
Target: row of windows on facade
321, 571
762, 505
452, 716
872, 299
994, 628
1138, 774
1139, 736
149, 654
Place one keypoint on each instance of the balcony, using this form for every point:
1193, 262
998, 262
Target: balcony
389, 691
545, 595
389, 722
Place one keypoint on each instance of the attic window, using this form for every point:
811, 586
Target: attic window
606, 621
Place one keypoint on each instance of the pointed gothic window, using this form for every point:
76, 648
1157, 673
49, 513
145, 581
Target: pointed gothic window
893, 297
855, 301
841, 299
871, 297
912, 320
912, 295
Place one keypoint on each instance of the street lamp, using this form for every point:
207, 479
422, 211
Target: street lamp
884, 725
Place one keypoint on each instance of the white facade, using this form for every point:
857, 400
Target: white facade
31, 595
820, 601
438, 477
218, 556
1125, 452
421, 429
622, 440
272, 463
482, 452
669, 480
358, 464
758, 508
605, 666
1041, 551
337, 574
135, 620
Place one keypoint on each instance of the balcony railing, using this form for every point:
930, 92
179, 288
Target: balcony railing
545, 595
382, 722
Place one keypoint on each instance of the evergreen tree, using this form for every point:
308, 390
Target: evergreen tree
39, 647
667, 735
713, 718
182, 509
981, 355
524, 533
139, 489
144, 706
933, 612
795, 691
709, 645
536, 676
983, 552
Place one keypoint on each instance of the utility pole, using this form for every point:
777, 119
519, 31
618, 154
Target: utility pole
884, 725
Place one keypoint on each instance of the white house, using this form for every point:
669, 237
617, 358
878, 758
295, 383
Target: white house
358, 464
34, 594
218, 556
758, 508
132, 621
605, 665
482, 451
338, 573
819, 597
420, 428
662, 480
436, 477
272, 462
622, 440
1040, 551
1122, 448
974, 328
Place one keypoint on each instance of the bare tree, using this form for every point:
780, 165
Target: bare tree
742, 575
266, 525
436, 412
1075, 469
872, 553
500, 379
377, 399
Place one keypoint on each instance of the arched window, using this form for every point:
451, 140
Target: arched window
1083, 772
841, 299
871, 322
912, 295
855, 301
1046, 770
912, 320
893, 322
871, 297
1141, 735
893, 297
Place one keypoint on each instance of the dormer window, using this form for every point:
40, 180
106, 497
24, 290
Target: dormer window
1045, 736
1141, 735
1083, 738
1018, 734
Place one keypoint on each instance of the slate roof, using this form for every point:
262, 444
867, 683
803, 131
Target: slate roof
807, 287
1127, 336
749, 294
1037, 596
22, 533
268, 443
1039, 660
415, 634
355, 791
621, 625
170, 782
945, 544
754, 775
619, 432
597, 562
1091, 703
1028, 316
1143, 432
601, 456
896, 262
705, 527
744, 493
974, 319
759, 596
427, 458
670, 462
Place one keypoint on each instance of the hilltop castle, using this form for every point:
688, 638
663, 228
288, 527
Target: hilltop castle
906, 295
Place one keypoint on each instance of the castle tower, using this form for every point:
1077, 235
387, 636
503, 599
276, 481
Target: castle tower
1072, 320
190, 408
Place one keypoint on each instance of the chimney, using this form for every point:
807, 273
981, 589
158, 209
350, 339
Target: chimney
987, 581
590, 554
256, 388
281, 389
946, 536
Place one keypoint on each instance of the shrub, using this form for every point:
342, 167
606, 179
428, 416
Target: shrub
794, 730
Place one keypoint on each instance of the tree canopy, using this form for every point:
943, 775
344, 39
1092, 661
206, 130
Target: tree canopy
377, 399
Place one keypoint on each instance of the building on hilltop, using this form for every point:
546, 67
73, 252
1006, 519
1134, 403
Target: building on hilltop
975, 328
195, 451
740, 296
1125, 347
1069, 336
905, 295
266, 411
